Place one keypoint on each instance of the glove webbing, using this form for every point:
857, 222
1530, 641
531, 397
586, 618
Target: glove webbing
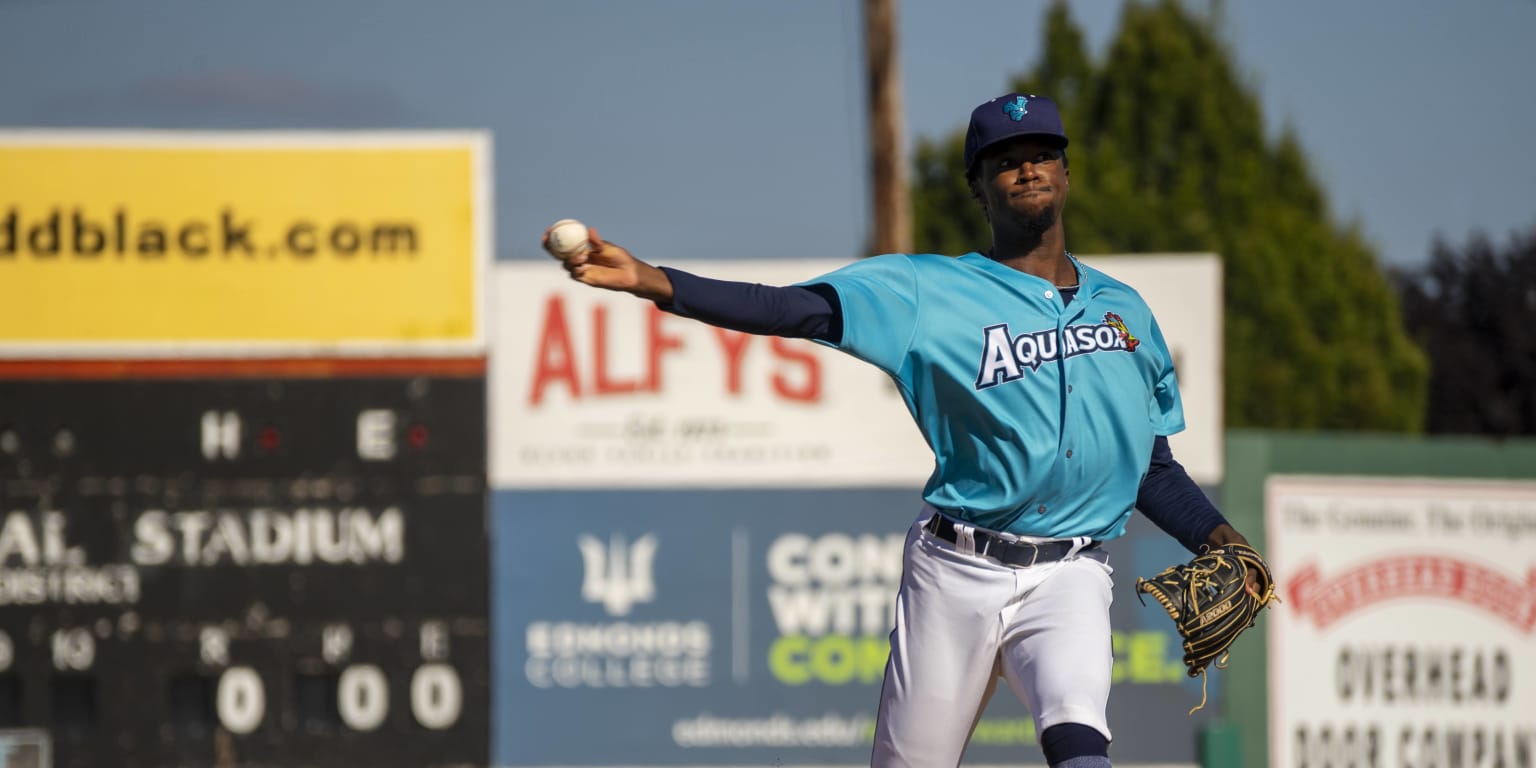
1209, 633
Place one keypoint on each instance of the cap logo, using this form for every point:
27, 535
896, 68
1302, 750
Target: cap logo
1017, 109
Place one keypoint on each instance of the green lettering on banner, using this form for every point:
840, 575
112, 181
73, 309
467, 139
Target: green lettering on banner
1004, 731
1147, 657
828, 659
1142, 657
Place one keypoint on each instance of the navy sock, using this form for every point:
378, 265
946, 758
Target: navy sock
1067, 741
1086, 761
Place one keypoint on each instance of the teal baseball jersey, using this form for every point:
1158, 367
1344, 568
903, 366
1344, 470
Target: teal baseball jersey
1041, 414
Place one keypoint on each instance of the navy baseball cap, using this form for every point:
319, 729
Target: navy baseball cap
1010, 116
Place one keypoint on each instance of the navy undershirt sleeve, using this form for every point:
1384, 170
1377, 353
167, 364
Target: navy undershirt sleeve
801, 312
1173, 502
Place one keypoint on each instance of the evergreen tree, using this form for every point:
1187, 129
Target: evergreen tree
1169, 154
1473, 310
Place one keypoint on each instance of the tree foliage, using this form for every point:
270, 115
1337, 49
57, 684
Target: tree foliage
1474, 309
1169, 154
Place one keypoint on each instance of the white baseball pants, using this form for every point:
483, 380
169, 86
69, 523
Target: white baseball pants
962, 619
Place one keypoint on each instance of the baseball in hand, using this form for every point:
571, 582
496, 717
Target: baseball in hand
568, 241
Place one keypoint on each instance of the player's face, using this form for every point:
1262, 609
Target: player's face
1024, 180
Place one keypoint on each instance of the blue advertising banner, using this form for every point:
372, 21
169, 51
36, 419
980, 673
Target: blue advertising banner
749, 627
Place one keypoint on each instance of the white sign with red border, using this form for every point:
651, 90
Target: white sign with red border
1405, 636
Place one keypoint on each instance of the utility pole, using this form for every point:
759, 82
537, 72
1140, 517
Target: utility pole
892, 209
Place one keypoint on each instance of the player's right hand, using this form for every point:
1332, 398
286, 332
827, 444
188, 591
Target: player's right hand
614, 268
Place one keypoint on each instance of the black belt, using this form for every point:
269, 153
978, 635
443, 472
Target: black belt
1020, 553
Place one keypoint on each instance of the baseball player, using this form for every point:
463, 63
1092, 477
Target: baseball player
1046, 392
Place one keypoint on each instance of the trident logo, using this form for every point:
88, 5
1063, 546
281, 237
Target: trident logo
617, 574
1017, 109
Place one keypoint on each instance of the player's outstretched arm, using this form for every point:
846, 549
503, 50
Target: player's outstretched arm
605, 265
809, 312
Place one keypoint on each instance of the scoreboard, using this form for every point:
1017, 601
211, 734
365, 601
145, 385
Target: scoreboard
260, 570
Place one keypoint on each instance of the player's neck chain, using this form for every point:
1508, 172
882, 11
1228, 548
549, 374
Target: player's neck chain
1076, 273
1079, 278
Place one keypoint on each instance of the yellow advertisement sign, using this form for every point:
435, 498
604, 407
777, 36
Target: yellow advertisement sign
228, 243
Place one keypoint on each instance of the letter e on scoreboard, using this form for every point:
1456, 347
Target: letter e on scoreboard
376, 435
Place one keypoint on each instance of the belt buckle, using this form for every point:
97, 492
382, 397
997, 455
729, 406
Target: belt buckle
1034, 554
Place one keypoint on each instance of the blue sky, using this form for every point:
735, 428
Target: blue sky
735, 128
